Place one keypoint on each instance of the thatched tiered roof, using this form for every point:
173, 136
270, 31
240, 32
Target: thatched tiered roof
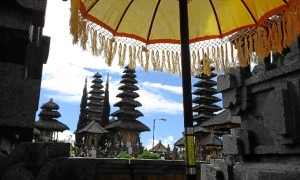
46, 118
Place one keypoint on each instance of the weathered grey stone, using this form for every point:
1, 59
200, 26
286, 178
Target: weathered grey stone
262, 68
231, 145
39, 5
17, 172
225, 166
226, 82
230, 98
262, 171
34, 155
277, 112
211, 172
16, 94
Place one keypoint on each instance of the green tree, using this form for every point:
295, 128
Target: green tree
82, 116
123, 154
148, 155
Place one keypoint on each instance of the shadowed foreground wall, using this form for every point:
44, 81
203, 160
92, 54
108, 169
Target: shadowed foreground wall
118, 169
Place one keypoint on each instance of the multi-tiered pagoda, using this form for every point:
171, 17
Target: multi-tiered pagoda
48, 125
126, 128
95, 99
89, 128
205, 107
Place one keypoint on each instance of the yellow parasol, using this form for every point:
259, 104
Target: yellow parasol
185, 37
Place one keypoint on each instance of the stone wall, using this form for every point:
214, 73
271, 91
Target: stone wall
24, 50
267, 146
121, 169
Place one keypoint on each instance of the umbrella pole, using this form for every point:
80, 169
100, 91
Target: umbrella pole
187, 93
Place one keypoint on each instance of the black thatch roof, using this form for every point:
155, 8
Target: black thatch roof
159, 148
128, 80
205, 76
206, 99
131, 87
50, 125
212, 141
206, 107
127, 112
222, 121
205, 91
200, 129
50, 105
128, 125
52, 114
127, 102
93, 128
128, 94
179, 142
205, 83
97, 75
36, 132
129, 75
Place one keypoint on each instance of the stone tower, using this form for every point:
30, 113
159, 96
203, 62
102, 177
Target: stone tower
126, 129
48, 124
95, 99
205, 106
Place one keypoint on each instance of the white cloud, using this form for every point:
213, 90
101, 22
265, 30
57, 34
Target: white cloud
159, 86
66, 136
158, 103
68, 65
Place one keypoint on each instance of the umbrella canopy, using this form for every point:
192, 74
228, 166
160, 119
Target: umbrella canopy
132, 29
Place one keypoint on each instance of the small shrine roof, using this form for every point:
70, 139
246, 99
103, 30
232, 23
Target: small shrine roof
128, 125
50, 105
93, 127
212, 141
179, 142
159, 148
223, 120
51, 125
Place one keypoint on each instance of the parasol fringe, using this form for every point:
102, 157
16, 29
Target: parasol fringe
153, 60
163, 61
193, 64
74, 20
200, 68
147, 54
169, 61
243, 48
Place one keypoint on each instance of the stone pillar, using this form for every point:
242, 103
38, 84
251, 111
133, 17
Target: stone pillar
23, 51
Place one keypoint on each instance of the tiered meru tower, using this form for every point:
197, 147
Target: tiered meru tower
205, 106
95, 99
90, 124
126, 129
48, 124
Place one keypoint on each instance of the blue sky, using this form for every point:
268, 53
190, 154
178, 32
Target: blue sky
66, 69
